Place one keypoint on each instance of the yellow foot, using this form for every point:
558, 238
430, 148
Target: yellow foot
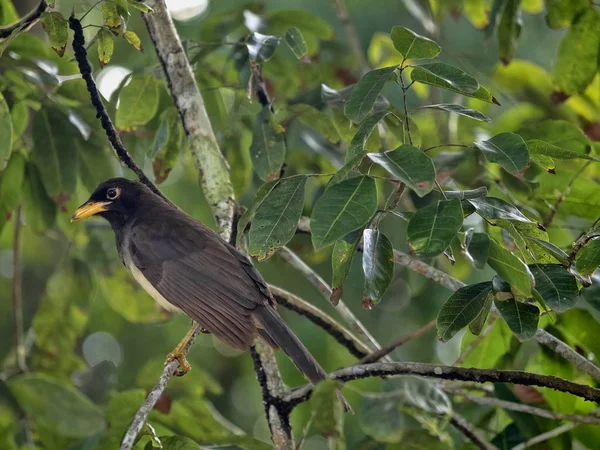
184, 366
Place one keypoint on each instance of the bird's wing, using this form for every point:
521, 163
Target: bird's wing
192, 268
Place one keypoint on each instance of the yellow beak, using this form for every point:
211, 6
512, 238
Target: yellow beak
88, 209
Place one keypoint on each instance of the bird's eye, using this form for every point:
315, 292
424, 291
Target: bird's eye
112, 193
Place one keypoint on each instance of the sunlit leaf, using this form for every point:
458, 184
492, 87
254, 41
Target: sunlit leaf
343, 208
556, 285
57, 29
111, 16
378, 264
365, 93
413, 46
588, 258
510, 268
138, 102
276, 219
261, 47
460, 110
507, 149
431, 229
134, 40
522, 318
462, 308
538, 147
295, 41
410, 165
549, 247
489, 349
6, 137
268, 146
106, 46
445, 76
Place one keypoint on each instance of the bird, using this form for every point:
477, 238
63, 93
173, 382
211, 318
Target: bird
187, 267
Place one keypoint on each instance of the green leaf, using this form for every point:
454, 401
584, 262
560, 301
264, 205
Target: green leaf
468, 194
510, 268
95, 161
313, 27
261, 47
296, 42
522, 318
365, 93
111, 16
476, 326
106, 46
57, 29
556, 285
538, 147
311, 117
19, 115
507, 149
576, 62
141, 6
343, 208
6, 137
168, 142
492, 208
40, 210
509, 30
413, 46
588, 258
178, 443
489, 349
462, 308
460, 110
276, 219
341, 262
138, 102
328, 413
559, 133
410, 165
134, 40
561, 13
381, 416
261, 193
477, 248
545, 162
549, 248
54, 152
55, 405
431, 229
268, 146
378, 265
445, 76
359, 141
11, 182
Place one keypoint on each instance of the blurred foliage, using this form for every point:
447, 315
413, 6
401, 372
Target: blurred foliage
461, 140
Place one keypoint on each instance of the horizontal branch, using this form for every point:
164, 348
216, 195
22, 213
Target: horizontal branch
545, 436
430, 272
27, 20
453, 373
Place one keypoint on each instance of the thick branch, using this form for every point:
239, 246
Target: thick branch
212, 167
454, 373
26, 21
321, 319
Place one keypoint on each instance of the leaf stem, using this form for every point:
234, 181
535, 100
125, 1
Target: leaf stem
404, 90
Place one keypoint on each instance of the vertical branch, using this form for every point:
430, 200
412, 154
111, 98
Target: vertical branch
17, 295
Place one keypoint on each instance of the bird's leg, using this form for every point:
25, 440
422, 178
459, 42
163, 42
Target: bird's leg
178, 353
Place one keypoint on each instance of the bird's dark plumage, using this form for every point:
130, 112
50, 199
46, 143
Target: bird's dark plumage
192, 268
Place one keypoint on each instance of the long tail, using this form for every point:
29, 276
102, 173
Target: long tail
275, 331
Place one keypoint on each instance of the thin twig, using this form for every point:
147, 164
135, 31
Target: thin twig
527, 409
342, 14
17, 293
447, 145
453, 373
377, 355
26, 21
461, 424
404, 90
545, 436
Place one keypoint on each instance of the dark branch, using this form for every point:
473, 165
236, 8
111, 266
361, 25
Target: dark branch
26, 21
461, 424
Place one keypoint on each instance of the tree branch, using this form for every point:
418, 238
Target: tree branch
461, 424
26, 21
545, 436
453, 373
17, 295
294, 303
212, 167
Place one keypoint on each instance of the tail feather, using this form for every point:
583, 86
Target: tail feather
276, 333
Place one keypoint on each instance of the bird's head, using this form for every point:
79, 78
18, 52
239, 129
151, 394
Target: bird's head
115, 200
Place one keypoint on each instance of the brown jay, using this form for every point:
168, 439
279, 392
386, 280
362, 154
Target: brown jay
187, 267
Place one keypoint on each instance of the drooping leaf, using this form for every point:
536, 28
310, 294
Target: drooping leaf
296, 42
56, 405
477, 247
134, 40
462, 308
168, 142
445, 76
357, 145
460, 110
522, 318
57, 29
261, 193
261, 47
365, 93
341, 262
268, 146
561, 13
40, 210
413, 46
576, 63
11, 182
19, 115
538, 147
6, 137
410, 165
507, 149
476, 326
378, 265
588, 258
556, 285
138, 102
492, 208
276, 219
431, 229
106, 46
510, 268
509, 30
327, 409
343, 208
111, 16
54, 153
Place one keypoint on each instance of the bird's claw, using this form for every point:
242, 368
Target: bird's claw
184, 366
